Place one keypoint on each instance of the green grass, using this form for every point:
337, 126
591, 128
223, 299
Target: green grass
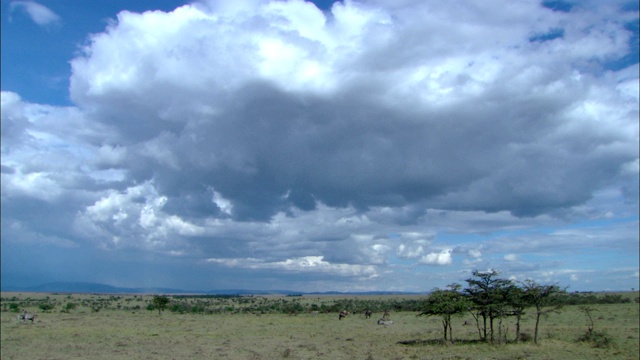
110, 333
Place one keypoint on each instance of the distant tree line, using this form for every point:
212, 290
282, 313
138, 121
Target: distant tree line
488, 298
589, 298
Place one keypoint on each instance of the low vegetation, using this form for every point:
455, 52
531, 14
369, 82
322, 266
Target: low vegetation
98, 326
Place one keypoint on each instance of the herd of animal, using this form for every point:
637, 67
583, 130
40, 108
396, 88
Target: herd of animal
385, 320
24, 316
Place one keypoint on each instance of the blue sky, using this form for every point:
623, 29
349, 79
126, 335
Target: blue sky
349, 146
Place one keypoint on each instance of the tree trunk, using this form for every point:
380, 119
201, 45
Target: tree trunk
535, 331
445, 325
503, 331
484, 329
476, 317
518, 328
491, 325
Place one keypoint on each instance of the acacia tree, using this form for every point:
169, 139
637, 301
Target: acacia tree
518, 301
160, 302
488, 295
540, 296
507, 301
446, 304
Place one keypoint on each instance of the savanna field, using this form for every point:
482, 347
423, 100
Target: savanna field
100, 326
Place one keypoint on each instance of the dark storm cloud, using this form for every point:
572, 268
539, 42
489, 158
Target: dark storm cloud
277, 138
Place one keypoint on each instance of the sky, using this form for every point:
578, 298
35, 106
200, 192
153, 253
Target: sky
373, 145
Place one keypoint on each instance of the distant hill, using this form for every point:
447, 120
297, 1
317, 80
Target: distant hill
95, 288
84, 287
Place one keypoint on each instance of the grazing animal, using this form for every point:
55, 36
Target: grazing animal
24, 316
386, 319
343, 313
29, 317
21, 315
367, 314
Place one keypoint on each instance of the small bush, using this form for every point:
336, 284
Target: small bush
178, 308
46, 307
598, 339
525, 337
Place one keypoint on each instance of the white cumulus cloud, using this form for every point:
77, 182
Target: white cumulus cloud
434, 258
301, 264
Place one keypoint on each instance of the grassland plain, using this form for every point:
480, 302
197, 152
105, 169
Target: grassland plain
123, 329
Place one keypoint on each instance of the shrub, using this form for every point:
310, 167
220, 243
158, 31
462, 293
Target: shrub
46, 307
198, 309
178, 308
525, 337
598, 339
